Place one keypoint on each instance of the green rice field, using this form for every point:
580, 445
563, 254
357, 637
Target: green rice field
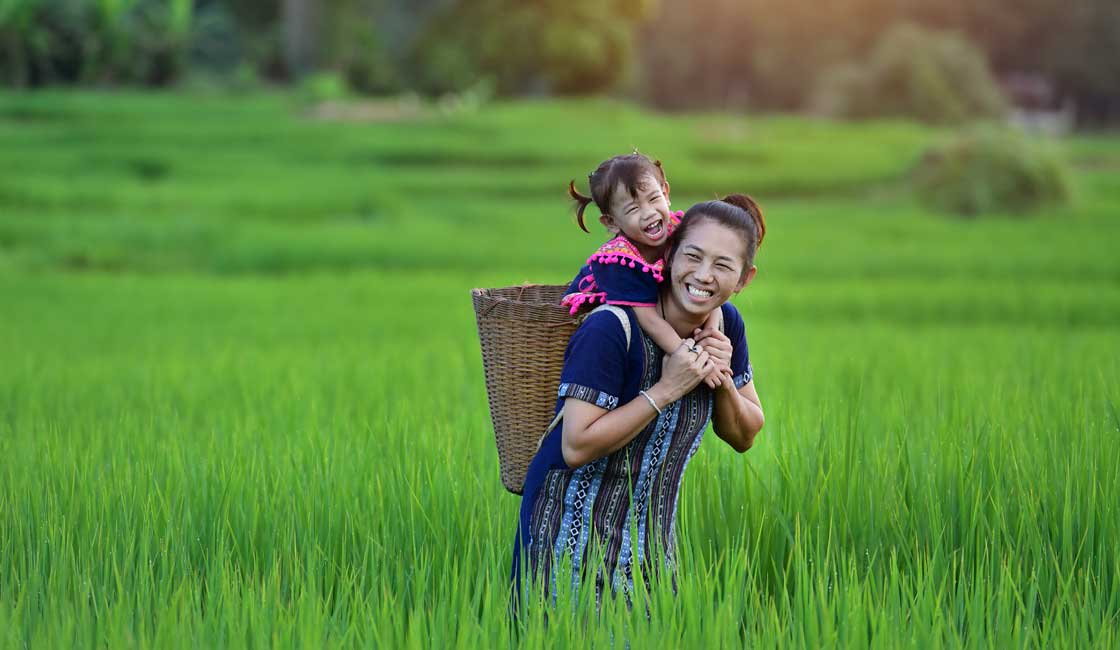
242, 402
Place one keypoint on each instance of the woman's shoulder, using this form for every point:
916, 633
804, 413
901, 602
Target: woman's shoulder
610, 322
599, 361
605, 337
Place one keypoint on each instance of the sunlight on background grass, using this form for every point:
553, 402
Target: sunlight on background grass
242, 403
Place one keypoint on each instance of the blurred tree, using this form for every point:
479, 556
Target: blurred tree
765, 52
914, 72
94, 41
301, 32
261, 30
1084, 62
769, 53
216, 45
574, 46
353, 46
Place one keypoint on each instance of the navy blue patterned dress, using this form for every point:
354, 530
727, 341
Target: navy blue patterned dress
572, 511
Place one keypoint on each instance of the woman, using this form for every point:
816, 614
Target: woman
633, 418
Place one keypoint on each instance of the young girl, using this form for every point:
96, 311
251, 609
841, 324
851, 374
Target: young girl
633, 196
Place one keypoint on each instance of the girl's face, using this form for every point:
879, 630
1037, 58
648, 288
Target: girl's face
708, 267
644, 217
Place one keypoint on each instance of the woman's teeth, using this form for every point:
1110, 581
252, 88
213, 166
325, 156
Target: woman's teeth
699, 293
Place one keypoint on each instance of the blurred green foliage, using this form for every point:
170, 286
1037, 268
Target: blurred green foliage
992, 170
756, 54
579, 46
96, 41
913, 72
323, 87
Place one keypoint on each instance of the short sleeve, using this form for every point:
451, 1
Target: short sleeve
595, 362
734, 329
626, 285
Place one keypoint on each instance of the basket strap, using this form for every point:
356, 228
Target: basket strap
624, 320
555, 421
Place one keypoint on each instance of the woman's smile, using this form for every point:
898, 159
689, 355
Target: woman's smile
697, 292
706, 268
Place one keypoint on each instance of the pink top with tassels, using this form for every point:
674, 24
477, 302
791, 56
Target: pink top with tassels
617, 274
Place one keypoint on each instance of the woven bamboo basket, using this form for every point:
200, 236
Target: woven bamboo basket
523, 331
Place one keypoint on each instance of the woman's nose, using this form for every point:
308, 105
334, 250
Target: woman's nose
703, 272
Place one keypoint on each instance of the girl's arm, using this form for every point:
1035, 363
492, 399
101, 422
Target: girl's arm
713, 321
591, 432
666, 338
658, 329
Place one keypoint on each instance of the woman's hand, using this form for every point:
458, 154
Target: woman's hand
591, 432
719, 349
681, 371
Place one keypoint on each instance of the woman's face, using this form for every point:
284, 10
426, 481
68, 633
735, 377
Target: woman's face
708, 267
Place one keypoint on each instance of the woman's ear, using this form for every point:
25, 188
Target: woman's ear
745, 279
609, 224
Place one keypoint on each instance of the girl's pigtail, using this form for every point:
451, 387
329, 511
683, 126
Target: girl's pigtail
581, 204
751, 207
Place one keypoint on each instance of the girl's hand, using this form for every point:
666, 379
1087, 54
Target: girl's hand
682, 370
719, 349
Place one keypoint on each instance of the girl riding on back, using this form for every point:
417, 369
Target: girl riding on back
632, 195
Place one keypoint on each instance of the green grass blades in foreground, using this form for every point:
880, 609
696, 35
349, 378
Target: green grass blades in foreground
241, 398
262, 461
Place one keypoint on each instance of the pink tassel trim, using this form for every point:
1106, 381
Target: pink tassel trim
629, 261
577, 300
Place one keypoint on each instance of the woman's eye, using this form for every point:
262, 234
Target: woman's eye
694, 258
723, 267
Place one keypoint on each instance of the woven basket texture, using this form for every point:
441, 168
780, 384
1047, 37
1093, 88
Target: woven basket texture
523, 331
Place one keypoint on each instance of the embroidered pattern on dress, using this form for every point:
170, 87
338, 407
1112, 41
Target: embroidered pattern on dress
637, 487
577, 505
544, 524
587, 394
694, 412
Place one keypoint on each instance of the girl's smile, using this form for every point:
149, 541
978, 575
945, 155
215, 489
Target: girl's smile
643, 217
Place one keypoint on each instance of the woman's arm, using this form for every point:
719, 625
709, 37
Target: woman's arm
591, 432
738, 413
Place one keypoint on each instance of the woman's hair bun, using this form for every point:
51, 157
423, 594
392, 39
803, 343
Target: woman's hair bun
751, 207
